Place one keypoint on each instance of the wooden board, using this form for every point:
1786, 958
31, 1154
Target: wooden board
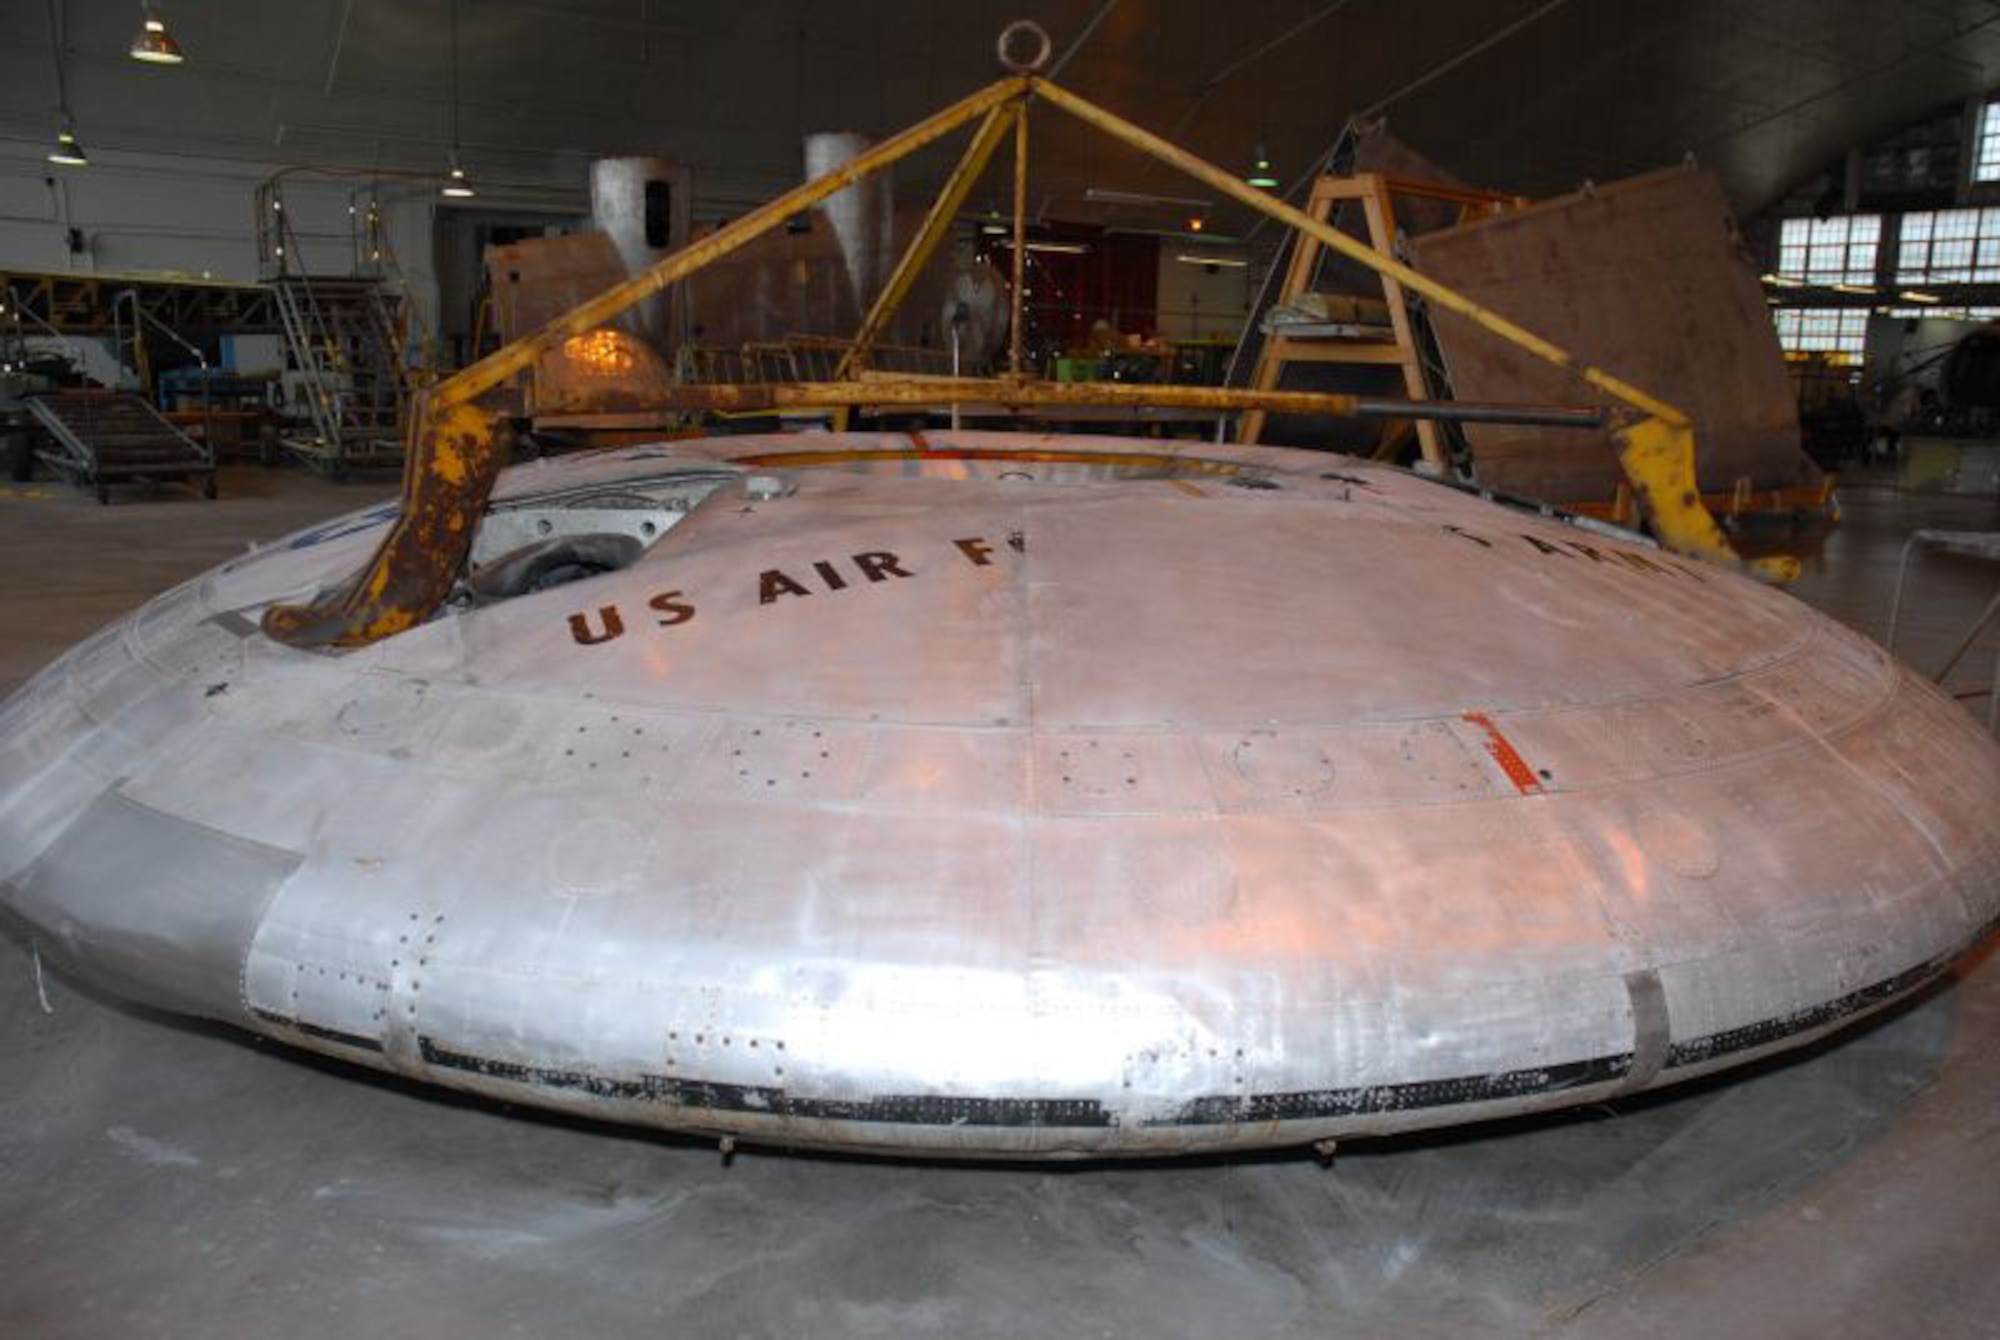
1646, 278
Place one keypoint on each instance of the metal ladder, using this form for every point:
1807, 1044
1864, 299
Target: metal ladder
348, 337
342, 336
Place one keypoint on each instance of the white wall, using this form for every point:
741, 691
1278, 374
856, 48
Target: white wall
195, 216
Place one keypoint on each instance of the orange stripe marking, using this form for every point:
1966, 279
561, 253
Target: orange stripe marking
1509, 758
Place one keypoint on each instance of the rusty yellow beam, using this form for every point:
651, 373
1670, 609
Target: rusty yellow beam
518, 357
1656, 452
1658, 458
445, 486
936, 227
454, 453
899, 389
1007, 391
1449, 299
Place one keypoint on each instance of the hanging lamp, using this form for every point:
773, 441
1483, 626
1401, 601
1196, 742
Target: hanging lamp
457, 186
154, 44
68, 151
1260, 175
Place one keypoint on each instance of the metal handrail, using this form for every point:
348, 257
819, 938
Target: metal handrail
140, 316
18, 309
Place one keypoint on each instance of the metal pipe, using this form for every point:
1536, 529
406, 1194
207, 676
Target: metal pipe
1896, 601
1014, 335
1472, 411
1075, 46
1965, 643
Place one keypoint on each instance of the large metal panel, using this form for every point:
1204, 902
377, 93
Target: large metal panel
151, 905
1647, 278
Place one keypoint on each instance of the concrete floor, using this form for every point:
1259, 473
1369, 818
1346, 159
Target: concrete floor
170, 1180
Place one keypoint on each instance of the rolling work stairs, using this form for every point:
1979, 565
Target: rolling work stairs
346, 342
101, 438
351, 327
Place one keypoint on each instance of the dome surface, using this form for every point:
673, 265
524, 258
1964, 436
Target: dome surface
989, 794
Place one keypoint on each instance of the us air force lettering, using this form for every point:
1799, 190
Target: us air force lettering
1006, 796
773, 584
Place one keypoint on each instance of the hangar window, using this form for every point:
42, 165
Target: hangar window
1822, 330
1949, 246
1943, 313
1839, 250
1986, 154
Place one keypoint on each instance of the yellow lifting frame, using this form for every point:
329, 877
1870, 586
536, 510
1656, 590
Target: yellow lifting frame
936, 227
456, 442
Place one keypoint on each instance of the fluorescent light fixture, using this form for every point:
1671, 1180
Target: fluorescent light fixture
1781, 281
1911, 295
1851, 288
1226, 262
154, 44
68, 151
1061, 248
1200, 239
456, 185
1107, 197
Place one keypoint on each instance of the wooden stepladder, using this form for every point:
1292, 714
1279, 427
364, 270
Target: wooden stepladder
1344, 342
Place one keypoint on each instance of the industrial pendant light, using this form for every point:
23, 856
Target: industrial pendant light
457, 185
154, 44
1260, 174
68, 151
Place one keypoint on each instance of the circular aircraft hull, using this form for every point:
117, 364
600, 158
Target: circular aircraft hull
1016, 797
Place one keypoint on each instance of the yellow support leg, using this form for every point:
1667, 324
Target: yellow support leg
936, 227
1658, 459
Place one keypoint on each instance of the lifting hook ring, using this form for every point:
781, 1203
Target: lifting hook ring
1029, 29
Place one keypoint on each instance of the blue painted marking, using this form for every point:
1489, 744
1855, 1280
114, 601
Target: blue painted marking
334, 530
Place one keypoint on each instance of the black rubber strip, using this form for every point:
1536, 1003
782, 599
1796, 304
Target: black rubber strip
1208, 1110
1697, 1050
1318, 1104
312, 1030
893, 1109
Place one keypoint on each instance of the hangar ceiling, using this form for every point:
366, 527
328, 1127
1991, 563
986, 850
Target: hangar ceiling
1534, 95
